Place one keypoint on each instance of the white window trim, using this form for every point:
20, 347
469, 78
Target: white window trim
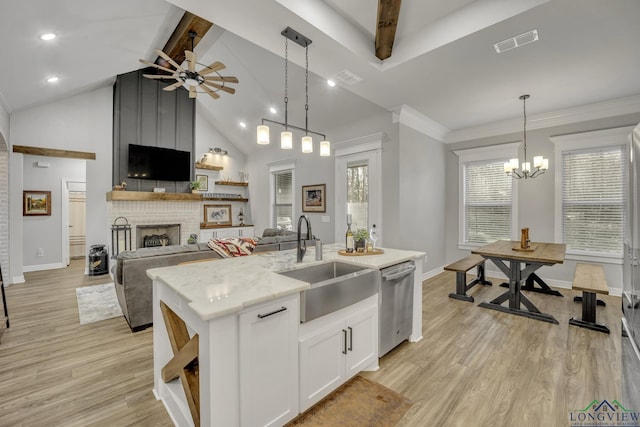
492, 152
279, 166
580, 141
369, 149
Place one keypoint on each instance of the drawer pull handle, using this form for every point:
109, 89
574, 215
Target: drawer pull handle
262, 316
344, 348
350, 348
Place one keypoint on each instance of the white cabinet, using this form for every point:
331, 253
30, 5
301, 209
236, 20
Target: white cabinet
268, 343
335, 347
207, 234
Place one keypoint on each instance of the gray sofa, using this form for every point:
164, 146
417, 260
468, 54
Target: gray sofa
134, 288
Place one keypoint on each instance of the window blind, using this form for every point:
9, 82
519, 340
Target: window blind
593, 199
487, 202
282, 213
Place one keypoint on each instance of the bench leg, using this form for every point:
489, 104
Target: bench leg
589, 314
461, 287
578, 298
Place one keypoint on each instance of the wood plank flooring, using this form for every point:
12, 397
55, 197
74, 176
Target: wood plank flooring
474, 367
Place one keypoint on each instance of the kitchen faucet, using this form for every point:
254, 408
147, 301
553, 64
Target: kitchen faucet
302, 244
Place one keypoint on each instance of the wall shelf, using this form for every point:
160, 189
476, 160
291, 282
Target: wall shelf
208, 167
151, 196
224, 199
236, 184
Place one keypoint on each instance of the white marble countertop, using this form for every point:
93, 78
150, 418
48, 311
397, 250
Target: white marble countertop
220, 287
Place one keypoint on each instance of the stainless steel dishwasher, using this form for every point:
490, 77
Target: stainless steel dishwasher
396, 305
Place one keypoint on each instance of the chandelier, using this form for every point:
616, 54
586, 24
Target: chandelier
540, 164
286, 137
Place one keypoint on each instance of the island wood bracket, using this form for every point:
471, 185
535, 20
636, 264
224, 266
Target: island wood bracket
184, 364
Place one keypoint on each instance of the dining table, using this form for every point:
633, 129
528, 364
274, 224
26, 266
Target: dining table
520, 264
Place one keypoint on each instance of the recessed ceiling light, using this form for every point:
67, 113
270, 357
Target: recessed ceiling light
273, 110
331, 83
52, 79
47, 36
243, 125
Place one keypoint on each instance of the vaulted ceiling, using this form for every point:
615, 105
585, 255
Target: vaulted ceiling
443, 64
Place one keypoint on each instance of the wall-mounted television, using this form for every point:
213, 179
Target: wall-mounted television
160, 164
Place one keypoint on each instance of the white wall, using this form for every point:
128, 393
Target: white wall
45, 232
421, 211
535, 196
79, 123
4, 193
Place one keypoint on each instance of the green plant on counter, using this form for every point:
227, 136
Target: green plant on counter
361, 234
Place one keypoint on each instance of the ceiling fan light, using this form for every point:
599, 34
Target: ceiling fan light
325, 148
286, 140
307, 144
263, 134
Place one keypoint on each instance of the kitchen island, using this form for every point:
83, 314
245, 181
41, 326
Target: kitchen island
229, 349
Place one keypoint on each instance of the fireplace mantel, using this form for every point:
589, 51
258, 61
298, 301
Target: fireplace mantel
137, 196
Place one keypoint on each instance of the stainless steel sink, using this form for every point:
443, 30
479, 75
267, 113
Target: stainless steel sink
334, 285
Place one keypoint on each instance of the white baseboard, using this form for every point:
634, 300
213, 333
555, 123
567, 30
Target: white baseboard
429, 274
53, 266
16, 279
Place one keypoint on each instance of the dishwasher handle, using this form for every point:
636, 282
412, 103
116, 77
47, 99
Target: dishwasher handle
399, 274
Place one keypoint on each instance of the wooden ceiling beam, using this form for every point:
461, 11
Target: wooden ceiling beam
180, 41
388, 12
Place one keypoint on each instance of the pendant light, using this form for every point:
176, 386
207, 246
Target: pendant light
540, 164
286, 137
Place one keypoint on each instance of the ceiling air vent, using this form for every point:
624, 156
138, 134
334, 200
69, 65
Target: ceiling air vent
348, 77
517, 41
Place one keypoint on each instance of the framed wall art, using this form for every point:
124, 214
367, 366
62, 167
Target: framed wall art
36, 203
217, 214
314, 198
204, 182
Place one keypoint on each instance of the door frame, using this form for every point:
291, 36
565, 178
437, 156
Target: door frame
65, 217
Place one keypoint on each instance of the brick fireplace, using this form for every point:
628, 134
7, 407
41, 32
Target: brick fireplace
152, 215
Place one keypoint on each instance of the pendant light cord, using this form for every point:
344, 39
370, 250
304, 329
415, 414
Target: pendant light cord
306, 90
286, 84
524, 131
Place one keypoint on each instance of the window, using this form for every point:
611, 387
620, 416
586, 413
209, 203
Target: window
282, 195
487, 199
487, 202
592, 194
358, 195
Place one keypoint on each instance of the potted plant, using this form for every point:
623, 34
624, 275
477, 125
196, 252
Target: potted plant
360, 239
195, 186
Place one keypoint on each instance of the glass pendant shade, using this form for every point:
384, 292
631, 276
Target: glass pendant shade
263, 134
325, 148
307, 144
286, 140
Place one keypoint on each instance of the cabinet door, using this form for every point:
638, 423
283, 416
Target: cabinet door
362, 343
269, 363
321, 363
245, 232
206, 235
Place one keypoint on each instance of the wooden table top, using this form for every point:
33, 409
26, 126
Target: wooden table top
548, 253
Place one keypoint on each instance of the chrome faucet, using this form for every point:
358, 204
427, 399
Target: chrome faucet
302, 244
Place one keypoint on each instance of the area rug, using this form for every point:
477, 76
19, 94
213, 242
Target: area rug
97, 302
357, 403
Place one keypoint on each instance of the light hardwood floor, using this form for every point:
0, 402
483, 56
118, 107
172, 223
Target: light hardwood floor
474, 367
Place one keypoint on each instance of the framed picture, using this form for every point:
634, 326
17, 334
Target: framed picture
36, 203
314, 198
217, 214
204, 182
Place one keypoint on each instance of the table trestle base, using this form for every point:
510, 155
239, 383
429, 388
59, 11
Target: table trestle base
530, 286
462, 286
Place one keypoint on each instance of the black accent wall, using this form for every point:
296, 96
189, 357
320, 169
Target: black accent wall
144, 114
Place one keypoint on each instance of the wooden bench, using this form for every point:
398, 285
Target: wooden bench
589, 278
461, 267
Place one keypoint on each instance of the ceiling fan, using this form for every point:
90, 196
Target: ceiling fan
190, 78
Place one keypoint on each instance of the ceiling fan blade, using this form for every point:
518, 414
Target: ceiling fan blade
192, 92
191, 58
220, 87
159, 67
160, 76
210, 92
168, 59
173, 86
227, 79
216, 66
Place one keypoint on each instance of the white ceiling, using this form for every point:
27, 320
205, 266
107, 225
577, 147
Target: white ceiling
443, 64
